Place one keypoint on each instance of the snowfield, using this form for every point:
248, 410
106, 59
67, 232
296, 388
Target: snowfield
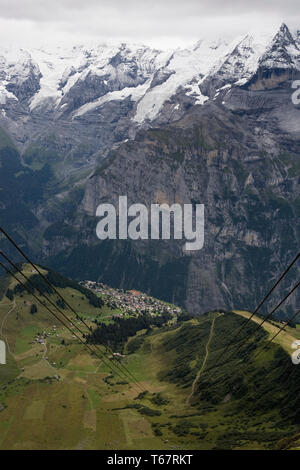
54, 79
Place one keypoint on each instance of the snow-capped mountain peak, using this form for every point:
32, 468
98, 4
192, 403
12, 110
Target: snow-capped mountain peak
126, 86
149, 76
283, 51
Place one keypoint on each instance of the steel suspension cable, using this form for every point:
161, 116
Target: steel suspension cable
100, 356
260, 305
58, 293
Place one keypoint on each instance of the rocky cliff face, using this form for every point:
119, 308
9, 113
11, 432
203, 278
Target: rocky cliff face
243, 164
214, 124
249, 185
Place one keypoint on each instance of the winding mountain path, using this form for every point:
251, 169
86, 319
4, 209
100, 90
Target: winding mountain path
45, 357
204, 361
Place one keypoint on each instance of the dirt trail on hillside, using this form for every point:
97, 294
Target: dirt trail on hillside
204, 361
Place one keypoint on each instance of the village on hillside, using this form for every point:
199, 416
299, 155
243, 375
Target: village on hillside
130, 302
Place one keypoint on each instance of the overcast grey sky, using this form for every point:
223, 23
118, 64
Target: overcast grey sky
164, 23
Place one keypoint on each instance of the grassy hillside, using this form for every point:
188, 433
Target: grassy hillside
286, 337
57, 396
